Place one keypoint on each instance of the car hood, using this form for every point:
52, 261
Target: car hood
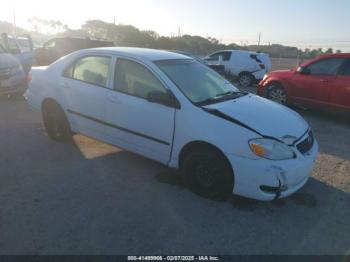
286, 73
8, 61
266, 117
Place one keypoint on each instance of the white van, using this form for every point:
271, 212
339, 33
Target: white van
247, 66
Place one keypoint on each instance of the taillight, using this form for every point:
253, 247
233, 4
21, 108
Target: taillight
262, 66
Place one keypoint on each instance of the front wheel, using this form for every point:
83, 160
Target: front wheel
56, 123
277, 94
208, 173
245, 79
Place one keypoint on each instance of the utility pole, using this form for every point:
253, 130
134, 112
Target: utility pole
14, 22
179, 31
259, 39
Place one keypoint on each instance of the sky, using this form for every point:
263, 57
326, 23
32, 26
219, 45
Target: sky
301, 23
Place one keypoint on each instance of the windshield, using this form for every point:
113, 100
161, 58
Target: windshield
198, 82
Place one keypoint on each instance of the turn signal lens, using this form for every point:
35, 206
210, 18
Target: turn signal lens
271, 149
258, 150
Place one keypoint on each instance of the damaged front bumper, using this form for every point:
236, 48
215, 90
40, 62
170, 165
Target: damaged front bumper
267, 180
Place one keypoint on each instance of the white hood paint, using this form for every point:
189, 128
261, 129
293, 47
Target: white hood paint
264, 116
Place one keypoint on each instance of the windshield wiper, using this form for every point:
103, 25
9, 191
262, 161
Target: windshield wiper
226, 94
222, 97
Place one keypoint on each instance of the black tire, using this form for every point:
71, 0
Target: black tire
245, 79
277, 93
208, 173
56, 123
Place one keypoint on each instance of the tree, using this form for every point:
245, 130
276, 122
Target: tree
47, 26
329, 51
127, 35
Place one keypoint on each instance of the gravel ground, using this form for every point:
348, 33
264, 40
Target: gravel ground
92, 198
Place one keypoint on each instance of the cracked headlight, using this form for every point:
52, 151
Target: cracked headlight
271, 149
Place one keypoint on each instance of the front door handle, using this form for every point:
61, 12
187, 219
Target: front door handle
324, 80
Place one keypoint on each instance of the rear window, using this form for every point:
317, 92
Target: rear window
90, 69
255, 57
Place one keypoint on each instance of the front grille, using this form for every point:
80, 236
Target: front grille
306, 145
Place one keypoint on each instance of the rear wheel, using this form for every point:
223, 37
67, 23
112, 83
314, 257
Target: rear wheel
208, 173
56, 123
277, 93
245, 79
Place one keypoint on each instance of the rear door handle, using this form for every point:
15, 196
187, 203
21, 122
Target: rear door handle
324, 80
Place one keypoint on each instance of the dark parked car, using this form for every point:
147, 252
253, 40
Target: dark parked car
58, 47
323, 82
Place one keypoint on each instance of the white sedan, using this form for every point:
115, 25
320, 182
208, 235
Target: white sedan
177, 111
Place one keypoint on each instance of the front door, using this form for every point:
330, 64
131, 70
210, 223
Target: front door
340, 97
135, 123
315, 88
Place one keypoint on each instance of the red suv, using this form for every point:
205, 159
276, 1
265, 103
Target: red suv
322, 82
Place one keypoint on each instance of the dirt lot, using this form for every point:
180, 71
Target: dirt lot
91, 198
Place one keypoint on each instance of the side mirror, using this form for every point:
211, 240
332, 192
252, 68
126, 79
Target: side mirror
303, 70
166, 99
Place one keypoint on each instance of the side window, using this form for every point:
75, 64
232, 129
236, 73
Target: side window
225, 56
135, 79
347, 69
255, 57
90, 69
326, 67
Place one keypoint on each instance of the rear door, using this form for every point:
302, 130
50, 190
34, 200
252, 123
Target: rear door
340, 95
85, 85
135, 123
315, 88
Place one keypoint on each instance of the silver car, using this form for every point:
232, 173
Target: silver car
13, 80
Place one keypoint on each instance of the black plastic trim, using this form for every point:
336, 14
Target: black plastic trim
118, 127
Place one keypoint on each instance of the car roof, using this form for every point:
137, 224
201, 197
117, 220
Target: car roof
241, 52
340, 55
321, 57
142, 53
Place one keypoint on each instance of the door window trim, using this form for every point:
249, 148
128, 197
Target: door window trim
119, 127
73, 63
